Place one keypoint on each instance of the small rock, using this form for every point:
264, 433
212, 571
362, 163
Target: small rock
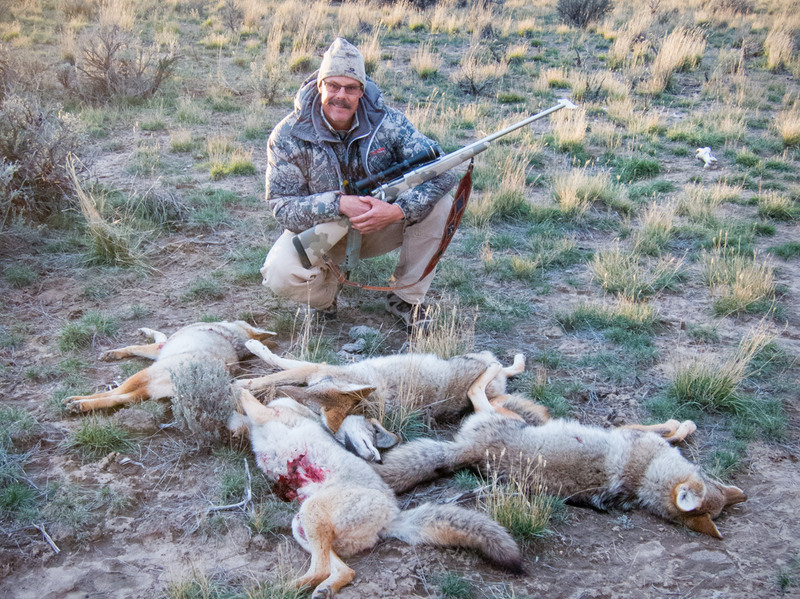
355, 348
554, 333
136, 421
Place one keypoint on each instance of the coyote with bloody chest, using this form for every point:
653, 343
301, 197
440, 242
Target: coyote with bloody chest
602, 468
345, 507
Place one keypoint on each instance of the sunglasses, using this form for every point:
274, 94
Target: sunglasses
349, 90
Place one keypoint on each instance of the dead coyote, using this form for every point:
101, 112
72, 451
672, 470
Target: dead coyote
438, 386
602, 468
345, 507
220, 343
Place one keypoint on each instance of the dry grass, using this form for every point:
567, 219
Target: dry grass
521, 501
569, 127
779, 48
576, 190
681, 50
787, 123
426, 62
121, 13
697, 203
710, 383
656, 228
738, 283
627, 274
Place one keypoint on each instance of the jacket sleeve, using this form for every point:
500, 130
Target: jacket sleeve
287, 188
417, 202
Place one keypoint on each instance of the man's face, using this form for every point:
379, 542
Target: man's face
340, 96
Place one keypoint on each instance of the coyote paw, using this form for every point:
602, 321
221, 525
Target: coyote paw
110, 356
72, 405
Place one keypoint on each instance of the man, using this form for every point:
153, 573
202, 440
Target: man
341, 130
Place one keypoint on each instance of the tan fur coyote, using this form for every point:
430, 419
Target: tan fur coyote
221, 343
587, 465
439, 386
345, 507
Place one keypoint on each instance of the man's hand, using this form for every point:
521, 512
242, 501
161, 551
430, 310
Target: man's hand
368, 214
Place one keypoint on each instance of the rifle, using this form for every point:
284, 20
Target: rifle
312, 244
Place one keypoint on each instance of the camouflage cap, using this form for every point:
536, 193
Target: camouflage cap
342, 59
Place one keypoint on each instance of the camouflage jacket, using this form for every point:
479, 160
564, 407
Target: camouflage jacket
307, 164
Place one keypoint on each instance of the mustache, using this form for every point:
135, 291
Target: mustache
340, 103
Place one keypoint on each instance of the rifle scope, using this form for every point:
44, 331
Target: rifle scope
366, 185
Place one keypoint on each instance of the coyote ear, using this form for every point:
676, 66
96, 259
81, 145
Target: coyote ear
686, 498
733, 495
360, 391
383, 438
703, 524
257, 412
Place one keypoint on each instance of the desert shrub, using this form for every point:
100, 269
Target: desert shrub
35, 141
477, 73
114, 64
203, 401
582, 12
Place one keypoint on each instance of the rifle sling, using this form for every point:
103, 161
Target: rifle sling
453, 220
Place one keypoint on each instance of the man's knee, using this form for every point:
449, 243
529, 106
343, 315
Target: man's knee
286, 278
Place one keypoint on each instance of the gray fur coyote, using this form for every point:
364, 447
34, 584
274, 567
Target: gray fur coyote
345, 507
601, 468
220, 343
439, 386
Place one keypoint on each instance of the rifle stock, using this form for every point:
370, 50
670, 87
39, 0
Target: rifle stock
312, 244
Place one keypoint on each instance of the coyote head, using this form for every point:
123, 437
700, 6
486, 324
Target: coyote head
696, 502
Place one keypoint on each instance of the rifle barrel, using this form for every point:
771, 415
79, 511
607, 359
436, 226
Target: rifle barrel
453, 159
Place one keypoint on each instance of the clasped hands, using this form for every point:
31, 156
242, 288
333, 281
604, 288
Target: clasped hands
368, 214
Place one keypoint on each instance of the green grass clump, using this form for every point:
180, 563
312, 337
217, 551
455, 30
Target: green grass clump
523, 505
17, 426
739, 283
203, 289
18, 498
454, 586
715, 385
82, 333
773, 204
787, 251
628, 275
636, 169
627, 315
19, 276
550, 396
96, 438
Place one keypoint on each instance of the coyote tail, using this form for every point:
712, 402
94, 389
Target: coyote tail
408, 465
453, 526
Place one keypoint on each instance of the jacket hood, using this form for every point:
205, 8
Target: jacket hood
371, 107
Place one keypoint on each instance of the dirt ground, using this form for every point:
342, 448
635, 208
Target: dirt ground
165, 535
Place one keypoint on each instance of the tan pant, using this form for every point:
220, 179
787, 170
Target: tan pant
285, 276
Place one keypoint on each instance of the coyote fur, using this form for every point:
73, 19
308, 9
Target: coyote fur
439, 386
345, 507
221, 343
587, 465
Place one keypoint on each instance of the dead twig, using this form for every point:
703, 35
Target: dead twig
248, 496
53, 546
